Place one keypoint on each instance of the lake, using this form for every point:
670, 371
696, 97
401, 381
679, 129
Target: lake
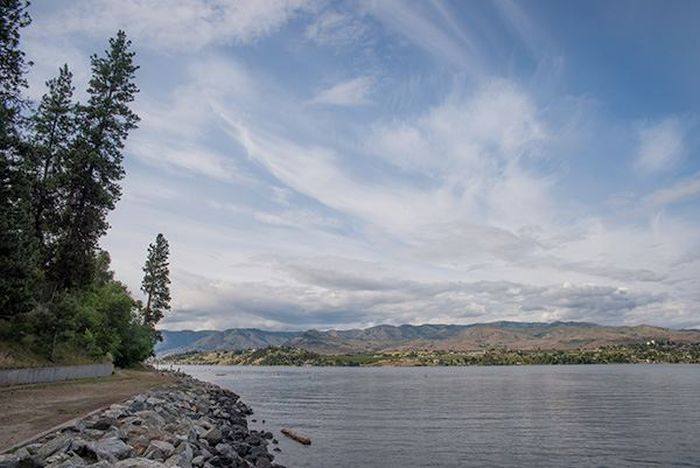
592, 415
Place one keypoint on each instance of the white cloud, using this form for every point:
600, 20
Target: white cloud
333, 28
173, 130
449, 212
423, 24
315, 171
498, 124
354, 92
681, 190
186, 159
325, 292
660, 146
47, 57
183, 25
482, 215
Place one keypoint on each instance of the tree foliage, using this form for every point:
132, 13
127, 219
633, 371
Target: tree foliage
645, 352
94, 166
18, 272
17, 249
60, 170
52, 134
156, 281
13, 66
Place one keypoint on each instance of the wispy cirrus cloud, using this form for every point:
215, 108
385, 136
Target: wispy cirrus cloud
661, 146
179, 25
423, 23
322, 164
337, 29
681, 190
353, 92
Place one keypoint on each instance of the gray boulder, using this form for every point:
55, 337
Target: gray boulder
9, 461
110, 449
58, 443
159, 450
102, 423
182, 457
14, 461
139, 463
213, 436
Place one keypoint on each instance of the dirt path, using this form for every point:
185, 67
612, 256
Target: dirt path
28, 410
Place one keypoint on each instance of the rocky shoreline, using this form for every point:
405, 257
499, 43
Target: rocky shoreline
187, 424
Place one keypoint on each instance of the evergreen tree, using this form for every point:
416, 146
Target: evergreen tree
13, 66
18, 272
53, 129
156, 281
94, 165
17, 249
59, 177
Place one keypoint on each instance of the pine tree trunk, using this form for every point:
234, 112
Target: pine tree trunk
147, 311
38, 227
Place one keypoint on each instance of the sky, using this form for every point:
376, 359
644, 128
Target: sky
320, 164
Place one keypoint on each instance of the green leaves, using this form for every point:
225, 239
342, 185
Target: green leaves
103, 319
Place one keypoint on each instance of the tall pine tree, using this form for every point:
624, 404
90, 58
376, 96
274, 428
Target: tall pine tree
94, 166
17, 248
13, 65
156, 281
53, 131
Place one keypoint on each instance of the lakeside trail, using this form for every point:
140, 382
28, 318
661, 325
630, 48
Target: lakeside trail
28, 410
182, 422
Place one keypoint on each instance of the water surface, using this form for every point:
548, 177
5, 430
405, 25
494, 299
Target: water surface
611, 415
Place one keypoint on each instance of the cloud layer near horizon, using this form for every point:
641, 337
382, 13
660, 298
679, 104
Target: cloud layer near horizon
317, 164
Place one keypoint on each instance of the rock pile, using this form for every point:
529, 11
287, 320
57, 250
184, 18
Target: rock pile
187, 424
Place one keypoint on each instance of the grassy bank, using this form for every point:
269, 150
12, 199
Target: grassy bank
283, 356
17, 356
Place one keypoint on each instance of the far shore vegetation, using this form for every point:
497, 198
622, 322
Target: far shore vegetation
61, 165
650, 352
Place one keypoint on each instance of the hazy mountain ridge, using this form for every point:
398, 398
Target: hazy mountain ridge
512, 335
214, 340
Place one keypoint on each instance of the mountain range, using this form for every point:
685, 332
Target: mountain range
511, 335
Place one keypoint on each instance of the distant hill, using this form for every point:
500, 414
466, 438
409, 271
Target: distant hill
212, 340
174, 340
512, 335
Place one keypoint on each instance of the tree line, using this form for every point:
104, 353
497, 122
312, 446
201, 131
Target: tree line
637, 353
61, 164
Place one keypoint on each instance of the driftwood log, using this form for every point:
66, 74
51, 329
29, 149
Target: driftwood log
302, 439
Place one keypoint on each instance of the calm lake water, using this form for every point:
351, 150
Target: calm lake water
613, 415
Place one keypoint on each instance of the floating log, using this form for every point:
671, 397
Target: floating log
302, 439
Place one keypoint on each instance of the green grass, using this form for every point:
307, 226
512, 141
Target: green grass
18, 356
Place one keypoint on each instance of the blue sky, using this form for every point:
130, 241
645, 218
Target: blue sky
344, 164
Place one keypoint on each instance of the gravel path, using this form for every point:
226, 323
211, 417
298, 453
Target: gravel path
28, 410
